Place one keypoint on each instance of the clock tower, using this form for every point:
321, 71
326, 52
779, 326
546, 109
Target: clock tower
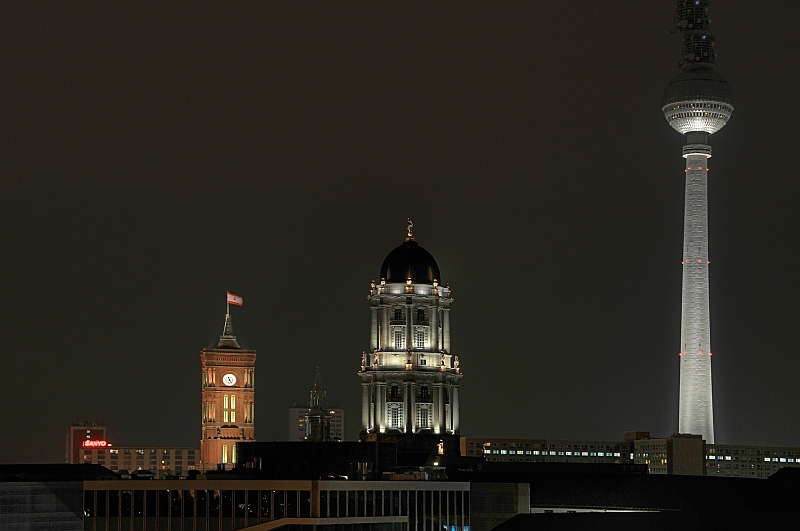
228, 400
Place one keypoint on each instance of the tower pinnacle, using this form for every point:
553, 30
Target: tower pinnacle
228, 339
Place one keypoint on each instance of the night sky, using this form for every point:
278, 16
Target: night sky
154, 156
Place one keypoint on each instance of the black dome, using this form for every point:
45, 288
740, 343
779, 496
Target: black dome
698, 84
409, 260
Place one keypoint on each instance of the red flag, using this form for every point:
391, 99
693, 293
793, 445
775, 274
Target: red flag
234, 299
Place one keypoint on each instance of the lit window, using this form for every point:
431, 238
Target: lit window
423, 416
419, 339
395, 416
399, 340
224, 453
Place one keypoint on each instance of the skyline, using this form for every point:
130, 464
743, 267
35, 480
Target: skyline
154, 161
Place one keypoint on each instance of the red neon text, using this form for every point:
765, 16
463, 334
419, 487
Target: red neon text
95, 444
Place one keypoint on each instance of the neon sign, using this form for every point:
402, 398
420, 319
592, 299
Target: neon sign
95, 444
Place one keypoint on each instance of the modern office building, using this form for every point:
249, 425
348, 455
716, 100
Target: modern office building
747, 461
228, 399
547, 451
164, 462
409, 377
697, 103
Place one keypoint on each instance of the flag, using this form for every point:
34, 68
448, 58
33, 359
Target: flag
234, 299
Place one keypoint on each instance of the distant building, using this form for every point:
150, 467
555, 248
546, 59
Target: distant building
315, 421
84, 435
164, 462
297, 423
547, 450
746, 461
680, 454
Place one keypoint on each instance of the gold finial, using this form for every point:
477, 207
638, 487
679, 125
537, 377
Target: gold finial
410, 230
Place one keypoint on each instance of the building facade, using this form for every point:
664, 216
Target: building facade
547, 451
680, 454
746, 461
228, 400
409, 377
163, 462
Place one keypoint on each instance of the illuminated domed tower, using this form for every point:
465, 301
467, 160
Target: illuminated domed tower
409, 377
697, 103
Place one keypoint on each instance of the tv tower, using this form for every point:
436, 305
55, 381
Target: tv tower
697, 103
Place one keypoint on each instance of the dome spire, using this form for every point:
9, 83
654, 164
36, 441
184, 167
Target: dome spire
409, 230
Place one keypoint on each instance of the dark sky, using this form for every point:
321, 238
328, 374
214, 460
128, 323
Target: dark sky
155, 156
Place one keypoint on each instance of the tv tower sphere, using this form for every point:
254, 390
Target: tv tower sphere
698, 99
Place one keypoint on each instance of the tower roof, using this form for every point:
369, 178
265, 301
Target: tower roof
410, 261
228, 339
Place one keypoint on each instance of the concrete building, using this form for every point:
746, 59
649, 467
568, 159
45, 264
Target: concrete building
747, 461
697, 103
547, 451
410, 377
680, 454
228, 399
163, 462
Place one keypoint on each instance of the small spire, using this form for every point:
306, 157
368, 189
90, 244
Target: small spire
319, 398
228, 339
409, 230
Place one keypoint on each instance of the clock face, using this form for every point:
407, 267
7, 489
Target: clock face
229, 379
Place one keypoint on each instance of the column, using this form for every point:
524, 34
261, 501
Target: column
409, 324
454, 407
438, 408
446, 330
434, 325
380, 407
375, 329
412, 401
385, 309
365, 402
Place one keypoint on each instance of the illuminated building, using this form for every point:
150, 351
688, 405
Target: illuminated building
409, 377
228, 396
697, 103
83, 435
316, 421
748, 461
163, 462
547, 450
